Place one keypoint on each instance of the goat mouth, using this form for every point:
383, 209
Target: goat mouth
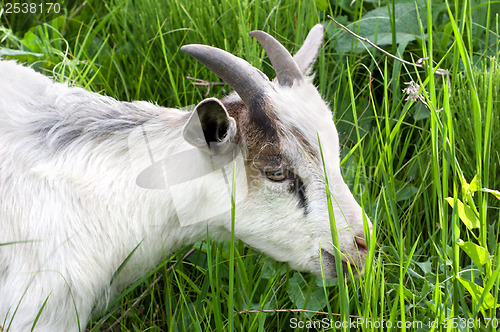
329, 265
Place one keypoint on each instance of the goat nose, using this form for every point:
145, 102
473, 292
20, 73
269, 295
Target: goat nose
360, 239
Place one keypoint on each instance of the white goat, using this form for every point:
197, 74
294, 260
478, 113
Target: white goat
75, 200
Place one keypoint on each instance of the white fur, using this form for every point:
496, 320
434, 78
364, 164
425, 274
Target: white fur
68, 196
311, 115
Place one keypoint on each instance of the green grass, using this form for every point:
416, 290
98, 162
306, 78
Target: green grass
435, 250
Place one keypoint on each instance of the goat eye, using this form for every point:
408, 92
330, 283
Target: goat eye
276, 176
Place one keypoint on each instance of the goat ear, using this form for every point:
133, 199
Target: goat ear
308, 53
210, 126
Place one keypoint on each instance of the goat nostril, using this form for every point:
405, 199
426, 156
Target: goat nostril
361, 242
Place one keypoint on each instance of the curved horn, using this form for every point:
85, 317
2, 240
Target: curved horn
285, 67
248, 82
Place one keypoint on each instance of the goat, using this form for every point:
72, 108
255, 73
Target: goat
85, 180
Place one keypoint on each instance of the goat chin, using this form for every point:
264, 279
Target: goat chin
90, 185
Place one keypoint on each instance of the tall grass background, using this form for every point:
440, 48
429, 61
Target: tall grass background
423, 163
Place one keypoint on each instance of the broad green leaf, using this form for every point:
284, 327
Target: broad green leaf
322, 4
376, 27
272, 269
473, 186
476, 292
465, 213
32, 42
406, 192
420, 112
479, 255
303, 296
495, 193
425, 266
